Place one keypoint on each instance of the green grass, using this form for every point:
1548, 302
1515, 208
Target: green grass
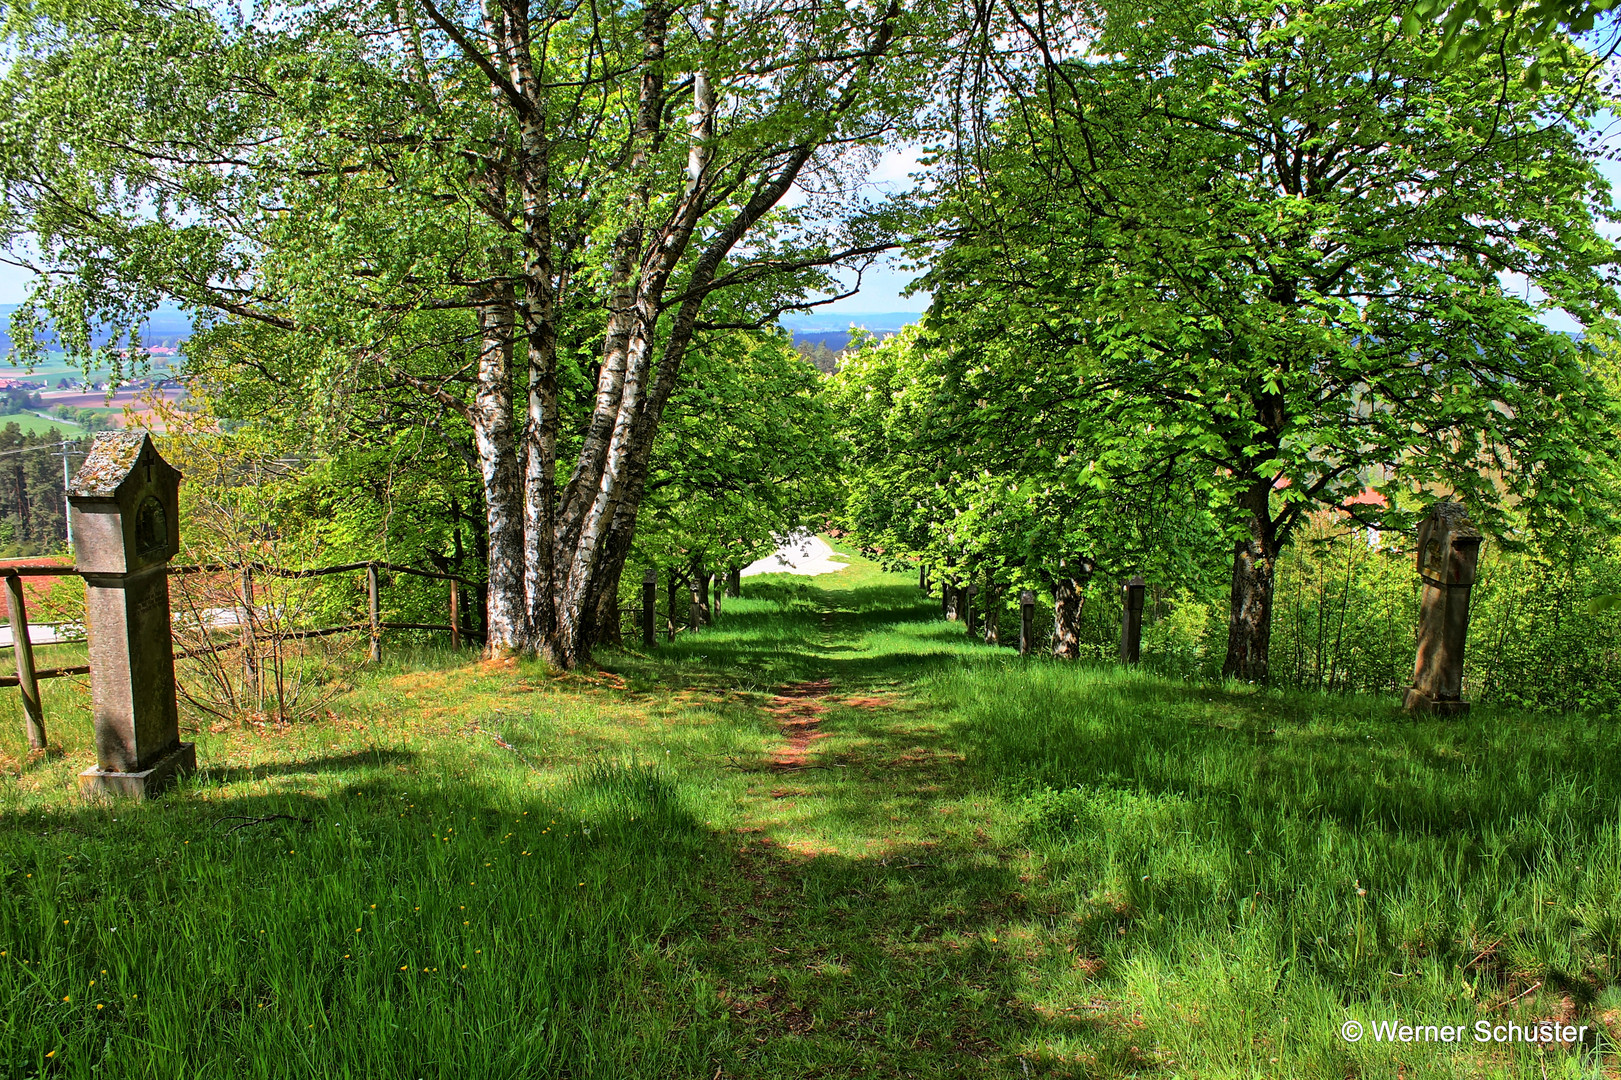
979, 867
34, 424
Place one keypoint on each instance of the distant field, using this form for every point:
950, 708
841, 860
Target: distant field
38, 425
56, 366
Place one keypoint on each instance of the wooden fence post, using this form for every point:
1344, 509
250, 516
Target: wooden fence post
1027, 622
373, 611
33, 711
650, 603
1131, 620
250, 672
455, 614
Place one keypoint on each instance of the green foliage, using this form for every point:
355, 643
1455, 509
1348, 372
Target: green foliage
745, 456
982, 455
19, 399
1346, 621
1276, 237
33, 506
87, 418
1526, 31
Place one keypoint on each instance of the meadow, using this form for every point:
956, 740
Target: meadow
829, 836
35, 424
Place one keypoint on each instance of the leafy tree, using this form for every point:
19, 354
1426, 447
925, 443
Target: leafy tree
33, 504
1276, 238
525, 212
1527, 31
746, 456
974, 452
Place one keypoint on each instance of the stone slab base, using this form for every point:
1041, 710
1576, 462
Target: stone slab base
146, 784
1419, 702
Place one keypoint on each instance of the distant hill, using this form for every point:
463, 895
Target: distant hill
168, 325
822, 337
824, 322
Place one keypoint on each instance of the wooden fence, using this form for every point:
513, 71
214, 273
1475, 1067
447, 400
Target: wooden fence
28, 676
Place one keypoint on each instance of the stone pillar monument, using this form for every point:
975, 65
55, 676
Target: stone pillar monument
1448, 553
125, 511
1131, 620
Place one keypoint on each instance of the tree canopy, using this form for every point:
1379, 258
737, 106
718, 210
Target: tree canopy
526, 213
1270, 246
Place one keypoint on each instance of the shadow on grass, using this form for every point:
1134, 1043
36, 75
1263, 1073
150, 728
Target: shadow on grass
890, 967
332, 763
373, 932
604, 930
860, 637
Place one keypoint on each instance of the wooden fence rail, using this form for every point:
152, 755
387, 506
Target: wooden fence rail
28, 677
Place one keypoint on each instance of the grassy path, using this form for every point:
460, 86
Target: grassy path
827, 837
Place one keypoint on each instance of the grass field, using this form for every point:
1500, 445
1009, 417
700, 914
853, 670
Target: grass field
828, 837
32, 423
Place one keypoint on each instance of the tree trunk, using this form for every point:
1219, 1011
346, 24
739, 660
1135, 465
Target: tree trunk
698, 583
734, 581
993, 612
506, 611
1249, 619
1069, 599
605, 628
570, 533
674, 585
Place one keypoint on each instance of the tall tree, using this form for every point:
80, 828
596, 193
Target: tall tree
970, 448
577, 182
746, 456
1280, 233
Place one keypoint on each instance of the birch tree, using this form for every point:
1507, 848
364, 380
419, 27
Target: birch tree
526, 211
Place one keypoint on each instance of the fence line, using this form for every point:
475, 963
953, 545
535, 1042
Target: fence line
27, 676
283, 572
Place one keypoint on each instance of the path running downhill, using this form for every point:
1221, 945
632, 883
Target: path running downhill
802, 554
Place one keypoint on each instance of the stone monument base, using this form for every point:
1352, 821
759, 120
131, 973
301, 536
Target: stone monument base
146, 784
1418, 701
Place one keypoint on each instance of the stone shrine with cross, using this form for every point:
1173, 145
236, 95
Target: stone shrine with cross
125, 504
